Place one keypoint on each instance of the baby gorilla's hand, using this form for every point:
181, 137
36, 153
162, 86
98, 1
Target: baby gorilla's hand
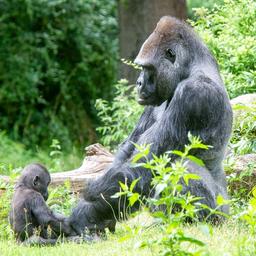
67, 228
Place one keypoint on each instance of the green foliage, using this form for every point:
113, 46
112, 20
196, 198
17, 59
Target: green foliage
56, 58
229, 31
244, 130
209, 4
15, 155
61, 200
118, 117
168, 196
248, 216
6, 192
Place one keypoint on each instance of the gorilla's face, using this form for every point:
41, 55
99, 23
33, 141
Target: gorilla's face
36, 177
164, 58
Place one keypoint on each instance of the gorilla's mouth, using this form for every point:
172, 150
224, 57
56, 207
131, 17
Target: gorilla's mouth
144, 100
150, 100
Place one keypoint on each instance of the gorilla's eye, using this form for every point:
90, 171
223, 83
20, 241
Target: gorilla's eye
170, 55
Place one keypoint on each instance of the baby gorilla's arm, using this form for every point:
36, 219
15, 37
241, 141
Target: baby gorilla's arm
45, 217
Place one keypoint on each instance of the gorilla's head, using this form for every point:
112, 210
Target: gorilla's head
36, 177
165, 58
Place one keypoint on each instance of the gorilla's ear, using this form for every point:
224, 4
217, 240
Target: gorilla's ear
35, 180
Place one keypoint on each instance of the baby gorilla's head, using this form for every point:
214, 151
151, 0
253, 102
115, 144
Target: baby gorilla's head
36, 177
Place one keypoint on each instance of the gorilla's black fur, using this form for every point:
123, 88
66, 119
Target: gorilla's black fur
29, 212
182, 88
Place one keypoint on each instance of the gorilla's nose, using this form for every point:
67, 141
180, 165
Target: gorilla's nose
143, 95
45, 195
139, 82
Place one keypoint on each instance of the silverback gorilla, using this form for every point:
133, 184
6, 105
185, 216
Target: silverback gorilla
183, 92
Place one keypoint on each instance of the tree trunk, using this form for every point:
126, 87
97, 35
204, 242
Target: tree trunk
137, 19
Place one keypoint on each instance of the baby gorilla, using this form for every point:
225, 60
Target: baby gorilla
29, 212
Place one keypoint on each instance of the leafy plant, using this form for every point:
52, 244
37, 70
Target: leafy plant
56, 58
61, 199
14, 155
244, 130
209, 4
6, 192
118, 117
249, 217
167, 176
229, 32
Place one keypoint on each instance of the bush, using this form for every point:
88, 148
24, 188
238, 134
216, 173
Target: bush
244, 130
56, 58
120, 116
15, 155
168, 197
229, 31
209, 4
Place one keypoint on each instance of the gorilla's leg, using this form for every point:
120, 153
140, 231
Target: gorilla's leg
38, 240
207, 189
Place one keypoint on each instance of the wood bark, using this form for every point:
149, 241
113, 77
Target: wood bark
137, 20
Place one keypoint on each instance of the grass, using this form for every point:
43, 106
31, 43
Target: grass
231, 238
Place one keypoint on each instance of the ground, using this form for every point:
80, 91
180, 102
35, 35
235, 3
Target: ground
231, 238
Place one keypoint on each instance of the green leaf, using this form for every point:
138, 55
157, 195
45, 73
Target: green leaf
160, 187
177, 152
118, 194
192, 240
220, 200
196, 160
137, 157
134, 184
134, 198
190, 176
254, 192
123, 186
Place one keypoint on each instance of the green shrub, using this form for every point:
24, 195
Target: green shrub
168, 191
229, 31
15, 155
6, 192
56, 58
209, 4
243, 140
120, 116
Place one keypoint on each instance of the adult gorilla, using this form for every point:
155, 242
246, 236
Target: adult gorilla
182, 88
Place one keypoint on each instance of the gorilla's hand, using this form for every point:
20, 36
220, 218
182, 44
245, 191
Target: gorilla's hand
85, 218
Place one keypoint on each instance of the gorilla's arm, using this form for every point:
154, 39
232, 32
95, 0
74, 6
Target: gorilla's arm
203, 114
127, 147
187, 111
45, 217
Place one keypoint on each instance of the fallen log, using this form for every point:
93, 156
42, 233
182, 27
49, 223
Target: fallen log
94, 165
